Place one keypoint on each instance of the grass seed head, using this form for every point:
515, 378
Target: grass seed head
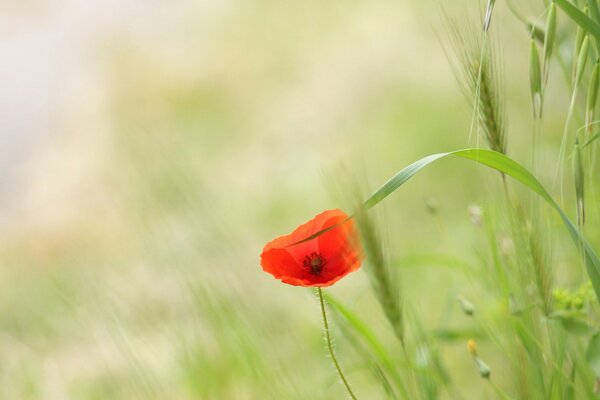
478, 74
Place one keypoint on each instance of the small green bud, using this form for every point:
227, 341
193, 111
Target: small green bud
568, 301
467, 307
484, 369
535, 79
557, 296
550, 33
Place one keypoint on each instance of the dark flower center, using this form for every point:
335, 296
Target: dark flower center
314, 262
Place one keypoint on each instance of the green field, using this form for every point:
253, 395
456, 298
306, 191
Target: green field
191, 134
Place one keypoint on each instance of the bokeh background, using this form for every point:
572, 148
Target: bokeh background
149, 149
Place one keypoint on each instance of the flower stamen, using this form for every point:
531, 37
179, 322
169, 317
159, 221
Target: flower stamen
314, 262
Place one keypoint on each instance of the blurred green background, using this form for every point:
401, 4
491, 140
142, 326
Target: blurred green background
150, 149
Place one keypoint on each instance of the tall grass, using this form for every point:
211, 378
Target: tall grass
160, 296
538, 317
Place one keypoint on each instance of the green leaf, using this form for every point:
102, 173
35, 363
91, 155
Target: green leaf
580, 18
506, 165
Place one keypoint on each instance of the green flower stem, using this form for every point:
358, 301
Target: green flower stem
330, 346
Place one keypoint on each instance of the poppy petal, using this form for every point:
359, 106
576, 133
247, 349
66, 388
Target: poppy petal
281, 264
341, 239
322, 221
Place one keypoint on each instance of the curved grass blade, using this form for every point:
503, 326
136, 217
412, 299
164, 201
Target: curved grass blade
504, 164
580, 18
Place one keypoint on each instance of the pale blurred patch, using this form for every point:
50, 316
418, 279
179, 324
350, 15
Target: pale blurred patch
148, 149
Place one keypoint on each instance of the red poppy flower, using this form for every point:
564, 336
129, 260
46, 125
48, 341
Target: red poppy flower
320, 261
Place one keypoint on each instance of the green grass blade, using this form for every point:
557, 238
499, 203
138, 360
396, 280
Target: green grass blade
580, 18
362, 329
397, 180
511, 168
367, 335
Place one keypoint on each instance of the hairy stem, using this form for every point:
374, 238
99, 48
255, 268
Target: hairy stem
330, 346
